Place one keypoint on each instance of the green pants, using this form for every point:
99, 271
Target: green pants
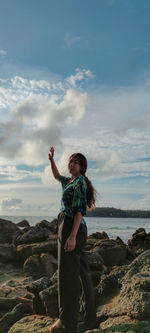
73, 266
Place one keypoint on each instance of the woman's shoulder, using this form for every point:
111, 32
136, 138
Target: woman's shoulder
81, 180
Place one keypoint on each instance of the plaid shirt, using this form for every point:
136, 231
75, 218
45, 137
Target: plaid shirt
74, 197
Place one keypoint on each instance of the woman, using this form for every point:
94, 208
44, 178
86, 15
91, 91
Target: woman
78, 193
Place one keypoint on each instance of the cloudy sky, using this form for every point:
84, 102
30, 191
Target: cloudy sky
74, 75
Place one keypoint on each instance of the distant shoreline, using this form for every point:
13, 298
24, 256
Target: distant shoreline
114, 212
97, 212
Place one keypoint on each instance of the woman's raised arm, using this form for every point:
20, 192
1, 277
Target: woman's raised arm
53, 165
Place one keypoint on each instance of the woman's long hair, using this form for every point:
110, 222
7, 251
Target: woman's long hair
91, 191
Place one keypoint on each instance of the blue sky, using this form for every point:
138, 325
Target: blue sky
76, 75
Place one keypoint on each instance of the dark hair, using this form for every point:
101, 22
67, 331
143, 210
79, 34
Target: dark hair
91, 191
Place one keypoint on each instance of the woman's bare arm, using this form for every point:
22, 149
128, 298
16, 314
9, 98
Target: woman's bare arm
55, 171
70, 243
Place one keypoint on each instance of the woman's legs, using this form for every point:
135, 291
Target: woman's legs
71, 266
90, 309
85, 274
68, 279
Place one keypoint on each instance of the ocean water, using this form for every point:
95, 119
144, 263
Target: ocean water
122, 227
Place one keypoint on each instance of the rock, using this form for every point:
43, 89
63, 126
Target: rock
24, 251
99, 235
111, 252
90, 243
135, 292
49, 246
51, 226
124, 324
39, 266
49, 298
134, 297
120, 241
36, 286
23, 224
95, 260
32, 324
7, 253
111, 283
9, 303
139, 242
13, 316
7, 230
30, 235
54, 278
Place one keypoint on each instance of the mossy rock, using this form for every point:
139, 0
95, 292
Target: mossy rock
125, 325
32, 324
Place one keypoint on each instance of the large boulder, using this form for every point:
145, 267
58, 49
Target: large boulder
134, 297
32, 324
95, 260
51, 226
49, 298
19, 311
7, 253
42, 231
24, 251
7, 231
40, 265
112, 251
99, 235
30, 235
124, 324
23, 224
139, 242
111, 283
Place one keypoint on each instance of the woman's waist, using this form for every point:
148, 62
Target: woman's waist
69, 217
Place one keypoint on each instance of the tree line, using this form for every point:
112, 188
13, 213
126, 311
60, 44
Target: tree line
114, 212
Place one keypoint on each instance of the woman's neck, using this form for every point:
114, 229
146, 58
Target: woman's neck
75, 176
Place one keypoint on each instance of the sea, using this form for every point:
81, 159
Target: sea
122, 227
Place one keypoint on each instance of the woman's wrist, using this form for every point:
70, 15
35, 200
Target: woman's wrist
73, 235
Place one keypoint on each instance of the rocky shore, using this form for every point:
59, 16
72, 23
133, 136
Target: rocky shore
28, 279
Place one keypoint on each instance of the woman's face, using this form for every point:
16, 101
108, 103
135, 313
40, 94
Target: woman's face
74, 166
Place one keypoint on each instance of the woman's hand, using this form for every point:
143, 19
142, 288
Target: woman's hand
70, 243
51, 155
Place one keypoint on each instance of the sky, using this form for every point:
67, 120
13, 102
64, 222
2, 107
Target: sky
74, 75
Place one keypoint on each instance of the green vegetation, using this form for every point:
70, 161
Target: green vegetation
114, 212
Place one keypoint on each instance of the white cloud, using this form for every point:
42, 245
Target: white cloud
22, 83
11, 203
79, 76
3, 52
70, 40
123, 109
36, 121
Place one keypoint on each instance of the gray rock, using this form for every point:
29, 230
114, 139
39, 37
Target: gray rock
51, 226
49, 298
23, 224
139, 242
39, 266
38, 285
95, 260
111, 283
111, 252
7, 230
30, 235
7, 253
134, 297
13, 316
32, 324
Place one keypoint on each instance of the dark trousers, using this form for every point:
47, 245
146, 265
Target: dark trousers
73, 266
